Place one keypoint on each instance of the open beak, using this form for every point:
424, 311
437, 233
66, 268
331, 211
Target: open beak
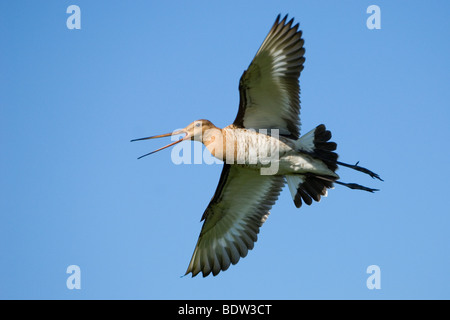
162, 136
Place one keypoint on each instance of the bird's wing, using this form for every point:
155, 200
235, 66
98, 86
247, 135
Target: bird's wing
269, 89
237, 210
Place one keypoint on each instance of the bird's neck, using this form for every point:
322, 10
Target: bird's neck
215, 140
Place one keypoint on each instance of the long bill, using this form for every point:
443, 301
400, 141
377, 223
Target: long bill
162, 136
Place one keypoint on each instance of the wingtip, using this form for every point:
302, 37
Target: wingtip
187, 273
289, 24
283, 21
278, 18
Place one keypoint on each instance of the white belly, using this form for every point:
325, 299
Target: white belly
247, 147
273, 156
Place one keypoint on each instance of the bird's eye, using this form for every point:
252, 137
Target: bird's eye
197, 124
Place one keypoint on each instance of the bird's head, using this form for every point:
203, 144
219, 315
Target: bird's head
197, 131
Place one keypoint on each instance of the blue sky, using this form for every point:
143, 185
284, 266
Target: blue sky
73, 192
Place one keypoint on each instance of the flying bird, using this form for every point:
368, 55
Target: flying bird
264, 136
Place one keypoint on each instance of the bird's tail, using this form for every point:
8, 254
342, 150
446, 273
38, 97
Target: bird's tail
317, 144
311, 186
308, 187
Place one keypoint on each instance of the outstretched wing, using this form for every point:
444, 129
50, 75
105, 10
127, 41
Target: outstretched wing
269, 89
239, 207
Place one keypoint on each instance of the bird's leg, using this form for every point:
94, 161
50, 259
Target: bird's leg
356, 186
361, 169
